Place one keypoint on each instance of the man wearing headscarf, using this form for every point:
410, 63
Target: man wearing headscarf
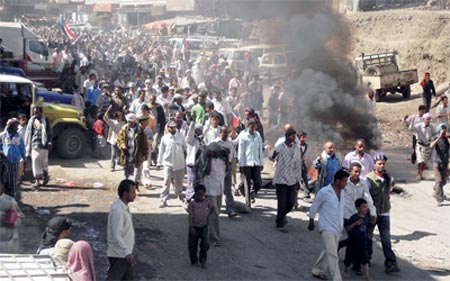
171, 157
38, 141
12, 147
133, 146
428, 90
424, 132
57, 228
62, 249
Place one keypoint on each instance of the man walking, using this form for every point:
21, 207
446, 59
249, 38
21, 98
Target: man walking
158, 112
443, 111
255, 94
214, 174
411, 122
327, 164
120, 234
225, 141
357, 188
288, 173
133, 146
380, 189
171, 157
104, 100
428, 91
360, 156
329, 203
304, 148
136, 105
38, 140
424, 132
440, 156
119, 101
250, 157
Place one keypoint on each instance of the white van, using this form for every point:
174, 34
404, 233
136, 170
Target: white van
196, 46
238, 59
263, 49
276, 65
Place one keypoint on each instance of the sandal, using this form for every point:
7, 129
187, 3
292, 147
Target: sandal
320, 276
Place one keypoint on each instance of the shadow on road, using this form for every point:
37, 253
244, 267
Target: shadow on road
398, 98
416, 235
252, 248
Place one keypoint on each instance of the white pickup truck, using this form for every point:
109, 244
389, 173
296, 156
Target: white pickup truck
380, 74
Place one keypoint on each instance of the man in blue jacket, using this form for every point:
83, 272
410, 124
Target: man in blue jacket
12, 149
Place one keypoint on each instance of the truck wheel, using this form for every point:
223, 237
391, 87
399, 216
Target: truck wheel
71, 143
406, 92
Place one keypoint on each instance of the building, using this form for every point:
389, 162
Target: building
128, 12
9, 9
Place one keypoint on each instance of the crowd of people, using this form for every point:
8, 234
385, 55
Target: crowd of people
353, 194
155, 107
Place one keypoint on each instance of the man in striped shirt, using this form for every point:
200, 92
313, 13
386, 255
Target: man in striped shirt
288, 173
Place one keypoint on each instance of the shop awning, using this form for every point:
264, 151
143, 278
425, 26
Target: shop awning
156, 25
102, 8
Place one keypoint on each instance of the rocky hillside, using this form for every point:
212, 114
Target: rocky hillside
421, 38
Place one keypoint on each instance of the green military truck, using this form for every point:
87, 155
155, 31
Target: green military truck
69, 128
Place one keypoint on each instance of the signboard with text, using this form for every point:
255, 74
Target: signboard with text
180, 5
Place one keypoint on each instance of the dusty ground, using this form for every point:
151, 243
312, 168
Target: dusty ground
252, 248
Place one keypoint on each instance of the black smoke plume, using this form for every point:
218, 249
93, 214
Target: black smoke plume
323, 92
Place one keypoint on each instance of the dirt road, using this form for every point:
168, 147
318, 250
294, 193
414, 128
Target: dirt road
252, 248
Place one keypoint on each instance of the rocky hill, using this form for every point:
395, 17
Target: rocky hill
421, 38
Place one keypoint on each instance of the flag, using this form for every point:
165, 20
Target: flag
62, 23
235, 120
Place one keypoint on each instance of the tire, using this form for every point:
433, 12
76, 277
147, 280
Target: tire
71, 143
377, 95
406, 92
373, 70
